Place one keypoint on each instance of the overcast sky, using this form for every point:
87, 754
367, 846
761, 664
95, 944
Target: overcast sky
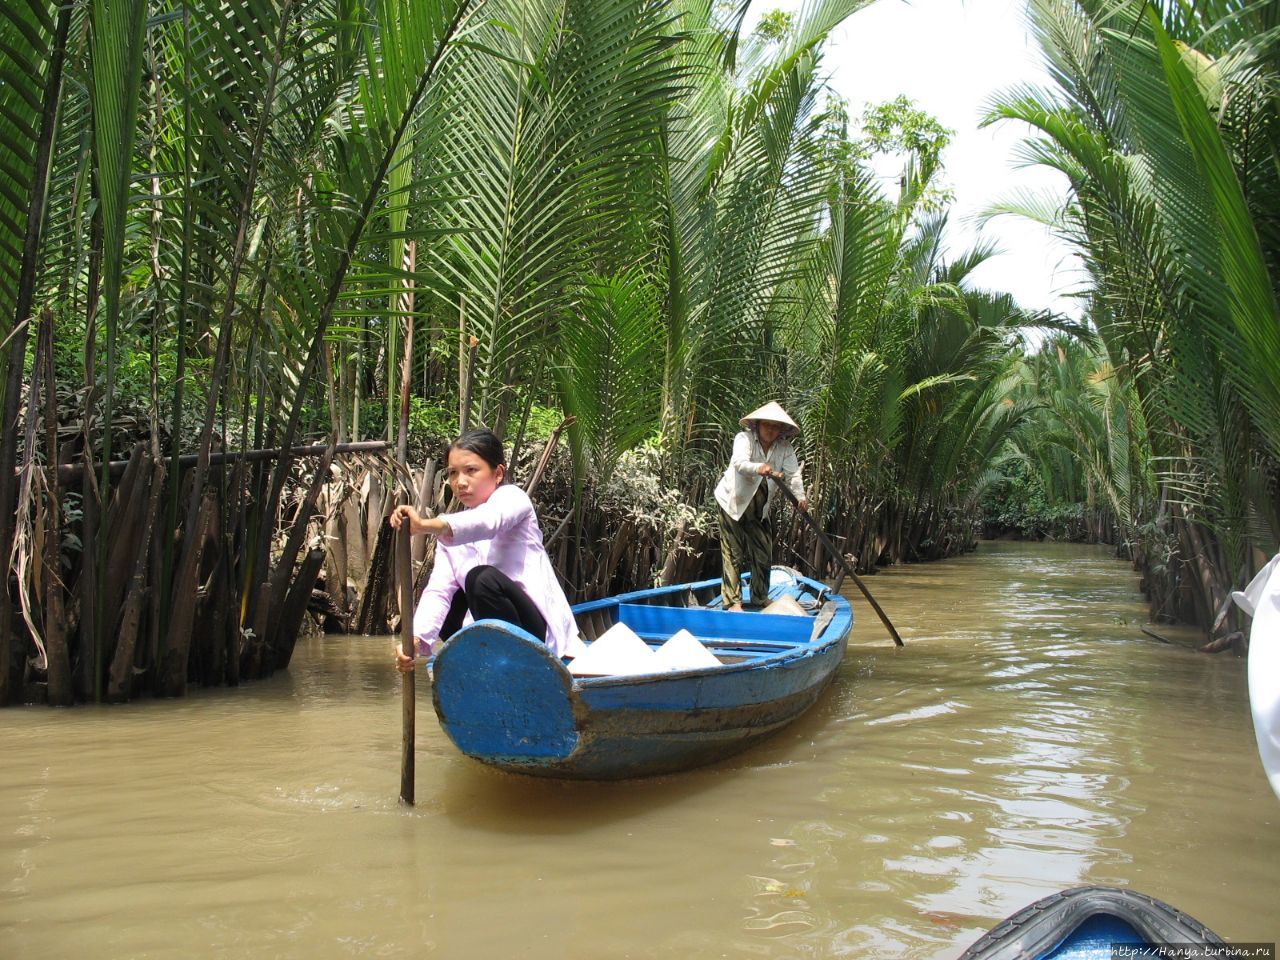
950, 56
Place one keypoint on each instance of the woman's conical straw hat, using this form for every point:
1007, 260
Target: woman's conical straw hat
773, 412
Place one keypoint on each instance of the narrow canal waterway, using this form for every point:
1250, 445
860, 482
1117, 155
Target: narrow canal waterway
1027, 738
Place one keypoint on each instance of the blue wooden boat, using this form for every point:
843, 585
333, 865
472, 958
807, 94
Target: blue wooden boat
1091, 923
503, 698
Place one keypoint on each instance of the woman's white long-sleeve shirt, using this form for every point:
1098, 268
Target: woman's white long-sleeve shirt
742, 477
502, 532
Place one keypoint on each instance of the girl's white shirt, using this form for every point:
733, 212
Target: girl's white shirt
502, 532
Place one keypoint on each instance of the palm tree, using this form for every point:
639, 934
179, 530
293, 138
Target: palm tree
274, 223
243, 241
1155, 121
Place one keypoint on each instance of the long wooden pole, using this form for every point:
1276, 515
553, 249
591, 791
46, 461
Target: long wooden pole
848, 567
404, 568
469, 382
545, 459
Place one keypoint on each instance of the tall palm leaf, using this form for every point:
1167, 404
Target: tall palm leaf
33, 45
543, 130
610, 375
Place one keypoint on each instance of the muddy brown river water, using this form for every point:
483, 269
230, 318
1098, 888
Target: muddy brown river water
1027, 738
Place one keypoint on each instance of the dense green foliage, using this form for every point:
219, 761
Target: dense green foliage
1164, 119
1020, 507
269, 222
643, 217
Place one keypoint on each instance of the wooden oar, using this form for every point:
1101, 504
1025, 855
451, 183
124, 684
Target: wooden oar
404, 569
831, 548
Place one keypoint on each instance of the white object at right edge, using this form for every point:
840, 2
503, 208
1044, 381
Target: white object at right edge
1261, 599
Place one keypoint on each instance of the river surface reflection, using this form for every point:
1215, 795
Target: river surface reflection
1027, 738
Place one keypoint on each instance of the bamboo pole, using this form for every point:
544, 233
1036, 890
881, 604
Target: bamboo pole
407, 688
547, 451
468, 385
404, 550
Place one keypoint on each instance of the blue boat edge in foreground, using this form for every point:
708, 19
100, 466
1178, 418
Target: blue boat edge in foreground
1088, 923
504, 699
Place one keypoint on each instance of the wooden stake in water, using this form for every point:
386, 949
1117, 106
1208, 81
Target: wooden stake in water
404, 575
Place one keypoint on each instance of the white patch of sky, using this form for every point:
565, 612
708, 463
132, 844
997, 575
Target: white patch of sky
951, 57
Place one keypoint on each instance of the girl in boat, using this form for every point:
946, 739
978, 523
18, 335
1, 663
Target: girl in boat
761, 450
490, 560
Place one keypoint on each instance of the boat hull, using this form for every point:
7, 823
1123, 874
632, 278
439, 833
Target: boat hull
507, 701
1086, 923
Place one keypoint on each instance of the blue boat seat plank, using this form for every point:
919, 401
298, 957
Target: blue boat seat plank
762, 628
744, 648
737, 643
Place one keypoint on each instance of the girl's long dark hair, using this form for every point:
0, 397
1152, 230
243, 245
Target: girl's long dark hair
484, 444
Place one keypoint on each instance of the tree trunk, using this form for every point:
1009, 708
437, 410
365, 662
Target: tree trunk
283, 572
87, 587
377, 587
426, 502
130, 501
254, 655
172, 680
294, 609
335, 566
672, 561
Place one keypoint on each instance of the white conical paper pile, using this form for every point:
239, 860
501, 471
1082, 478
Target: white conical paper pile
619, 652
616, 652
576, 647
685, 652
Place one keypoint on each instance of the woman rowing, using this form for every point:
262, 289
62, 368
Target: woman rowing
763, 449
490, 561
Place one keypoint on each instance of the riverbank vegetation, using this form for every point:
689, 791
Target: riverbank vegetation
1165, 418
612, 225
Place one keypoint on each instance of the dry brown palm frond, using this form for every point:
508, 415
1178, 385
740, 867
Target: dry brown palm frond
23, 559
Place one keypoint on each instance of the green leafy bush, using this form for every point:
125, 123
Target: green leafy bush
1019, 507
